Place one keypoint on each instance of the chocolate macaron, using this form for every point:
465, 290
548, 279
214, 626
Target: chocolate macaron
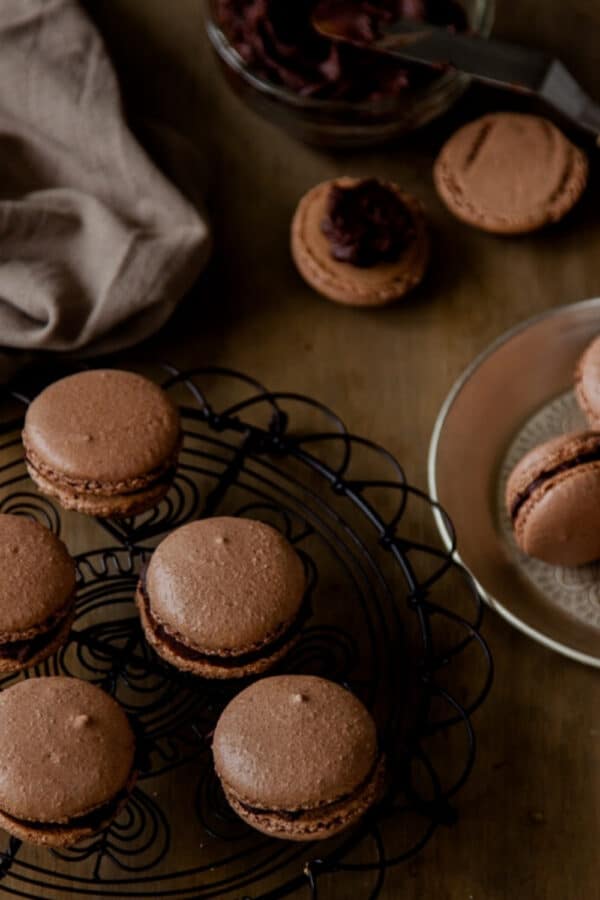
510, 173
66, 760
298, 757
553, 499
361, 242
587, 383
223, 597
103, 442
37, 593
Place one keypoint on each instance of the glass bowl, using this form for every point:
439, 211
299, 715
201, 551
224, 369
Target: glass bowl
339, 123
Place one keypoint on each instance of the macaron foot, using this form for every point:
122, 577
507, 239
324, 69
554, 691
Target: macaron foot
103, 506
314, 825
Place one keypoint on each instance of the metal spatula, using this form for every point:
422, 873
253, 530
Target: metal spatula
510, 66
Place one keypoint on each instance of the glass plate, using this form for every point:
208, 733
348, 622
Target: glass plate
516, 394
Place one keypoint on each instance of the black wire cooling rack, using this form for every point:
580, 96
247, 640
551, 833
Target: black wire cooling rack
395, 619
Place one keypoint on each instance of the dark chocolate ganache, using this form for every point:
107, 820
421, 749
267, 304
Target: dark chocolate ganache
276, 39
151, 481
579, 459
366, 223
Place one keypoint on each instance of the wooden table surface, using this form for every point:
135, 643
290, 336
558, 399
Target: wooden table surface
530, 814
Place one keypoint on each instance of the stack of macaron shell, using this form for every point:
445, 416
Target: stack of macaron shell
298, 757
37, 593
510, 173
223, 597
66, 760
372, 285
103, 442
553, 493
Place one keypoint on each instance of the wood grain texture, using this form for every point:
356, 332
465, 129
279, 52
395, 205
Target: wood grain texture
530, 814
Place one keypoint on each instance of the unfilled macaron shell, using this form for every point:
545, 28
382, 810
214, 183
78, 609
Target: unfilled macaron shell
38, 576
294, 742
225, 584
342, 282
510, 173
66, 748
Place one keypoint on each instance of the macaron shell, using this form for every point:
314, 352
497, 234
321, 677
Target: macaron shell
545, 457
344, 283
319, 824
294, 742
560, 524
101, 505
225, 585
203, 668
66, 748
38, 576
587, 383
510, 173
104, 425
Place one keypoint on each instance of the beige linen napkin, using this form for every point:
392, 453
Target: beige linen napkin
96, 246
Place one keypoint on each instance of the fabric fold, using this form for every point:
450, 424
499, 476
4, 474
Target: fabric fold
96, 245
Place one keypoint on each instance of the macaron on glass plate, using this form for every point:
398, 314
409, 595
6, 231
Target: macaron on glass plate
515, 395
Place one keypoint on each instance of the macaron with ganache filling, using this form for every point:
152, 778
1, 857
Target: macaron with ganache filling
587, 383
510, 173
66, 760
223, 597
553, 499
360, 241
103, 442
37, 593
298, 757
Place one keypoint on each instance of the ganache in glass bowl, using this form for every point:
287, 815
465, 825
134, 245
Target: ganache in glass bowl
330, 95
